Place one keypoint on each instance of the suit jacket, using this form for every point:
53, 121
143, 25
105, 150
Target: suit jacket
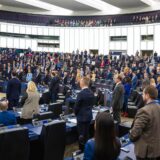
84, 103
65, 80
73, 81
54, 85
13, 89
30, 104
37, 79
118, 97
145, 131
134, 82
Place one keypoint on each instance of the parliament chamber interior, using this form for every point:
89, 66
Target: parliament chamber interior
79, 79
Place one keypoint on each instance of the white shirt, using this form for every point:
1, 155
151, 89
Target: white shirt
84, 88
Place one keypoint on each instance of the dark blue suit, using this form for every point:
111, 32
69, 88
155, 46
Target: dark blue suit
83, 111
84, 103
13, 92
134, 82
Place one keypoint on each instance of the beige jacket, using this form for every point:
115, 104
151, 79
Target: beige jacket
146, 131
31, 105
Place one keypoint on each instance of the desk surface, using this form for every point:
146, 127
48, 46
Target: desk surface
35, 131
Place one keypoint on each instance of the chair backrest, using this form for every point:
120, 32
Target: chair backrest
56, 108
14, 144
53, 140
45, 99
133, 95
140, 103
44, 115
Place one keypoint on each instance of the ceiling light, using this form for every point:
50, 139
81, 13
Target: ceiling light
46, 6
99, 4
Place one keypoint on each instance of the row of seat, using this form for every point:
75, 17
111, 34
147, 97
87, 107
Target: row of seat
15, 144
134, 103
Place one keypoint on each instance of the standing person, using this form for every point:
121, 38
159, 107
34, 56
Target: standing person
127, 91
83, 111
146, 128
30, 102
13, 91
118, 98
29, 75
134, 80
54, 86
73, 80
65, 78
46, 78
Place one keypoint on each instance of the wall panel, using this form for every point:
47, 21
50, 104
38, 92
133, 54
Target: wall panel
84, 38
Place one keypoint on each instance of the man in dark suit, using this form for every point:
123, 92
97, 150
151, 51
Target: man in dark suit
65, 78
37, 78
54, 86
73, 80
83, 111
145, 129
13, 91
118, 98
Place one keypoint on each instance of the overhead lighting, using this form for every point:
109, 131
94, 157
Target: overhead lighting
0, 5
151, 2
99, 4
46, 6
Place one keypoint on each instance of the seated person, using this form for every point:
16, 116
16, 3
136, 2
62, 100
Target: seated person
30, 102
105, 145
6, 117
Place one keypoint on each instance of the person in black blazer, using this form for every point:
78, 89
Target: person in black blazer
118, 98
54, 86
73, 80
13, 91
8, 72
46, 78
65, 78
83, 111
38, 76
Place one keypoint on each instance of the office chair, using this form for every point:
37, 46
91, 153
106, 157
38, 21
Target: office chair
56, 108
44, 115
45, 99
53, 140
14, 144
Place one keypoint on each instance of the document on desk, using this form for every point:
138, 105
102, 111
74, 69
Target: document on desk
72, 120
129, 151
20, 112
37, 130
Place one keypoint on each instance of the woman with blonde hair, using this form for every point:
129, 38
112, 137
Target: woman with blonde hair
152, 82
30, 102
